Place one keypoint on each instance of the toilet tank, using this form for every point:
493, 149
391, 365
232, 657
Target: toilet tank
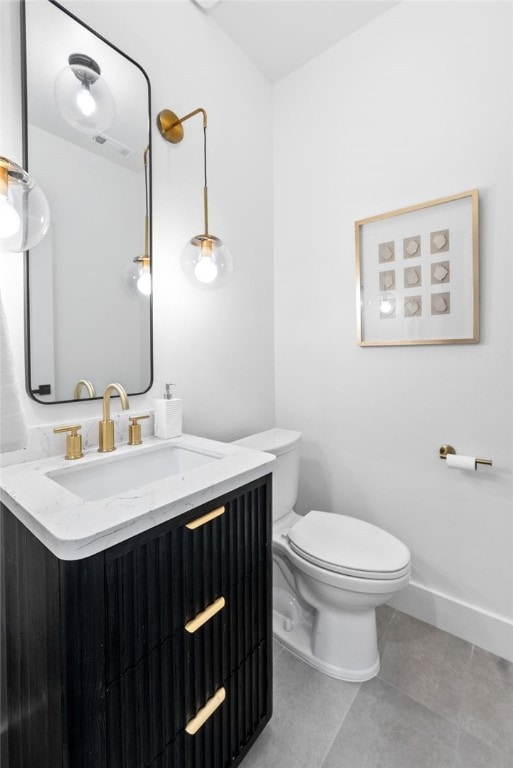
284, 444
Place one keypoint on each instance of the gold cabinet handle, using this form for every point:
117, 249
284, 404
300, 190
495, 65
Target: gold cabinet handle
205, 518
204, 616
205, 712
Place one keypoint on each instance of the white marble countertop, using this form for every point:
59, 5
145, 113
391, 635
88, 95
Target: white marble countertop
72, 528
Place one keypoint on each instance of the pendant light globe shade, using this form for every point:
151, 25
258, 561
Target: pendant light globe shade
24, 210
207, 262
83, 97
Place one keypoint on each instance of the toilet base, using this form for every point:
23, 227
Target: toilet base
297, 638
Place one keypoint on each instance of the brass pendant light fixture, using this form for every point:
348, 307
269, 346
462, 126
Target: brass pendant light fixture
139, 269
205, 260
24, 210
83, 97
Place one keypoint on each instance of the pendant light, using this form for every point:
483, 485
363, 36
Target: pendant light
83, 97
205, 260
24, 210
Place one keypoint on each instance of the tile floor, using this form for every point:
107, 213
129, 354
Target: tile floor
438, 702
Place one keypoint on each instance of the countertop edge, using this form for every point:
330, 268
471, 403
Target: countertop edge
159, 511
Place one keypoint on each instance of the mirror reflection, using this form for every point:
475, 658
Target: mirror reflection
88, 144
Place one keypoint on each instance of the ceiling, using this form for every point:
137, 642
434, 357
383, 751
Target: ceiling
281, 35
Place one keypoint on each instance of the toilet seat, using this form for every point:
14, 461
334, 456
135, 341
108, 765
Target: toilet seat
350, 546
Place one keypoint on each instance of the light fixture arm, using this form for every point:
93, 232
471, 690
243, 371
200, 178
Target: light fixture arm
171, 129
192, 114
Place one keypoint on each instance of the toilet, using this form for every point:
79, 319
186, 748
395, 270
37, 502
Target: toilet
330, 572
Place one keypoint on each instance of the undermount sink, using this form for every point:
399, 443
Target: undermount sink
82, 507
121, 473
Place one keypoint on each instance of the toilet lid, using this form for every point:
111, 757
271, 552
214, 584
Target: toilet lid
347, 545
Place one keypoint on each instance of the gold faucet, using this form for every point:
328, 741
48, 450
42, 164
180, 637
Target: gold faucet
106, 426
88, 385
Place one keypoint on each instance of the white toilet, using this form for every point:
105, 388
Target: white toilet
330, 572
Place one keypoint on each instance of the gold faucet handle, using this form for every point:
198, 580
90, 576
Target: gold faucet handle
134, 430
73, 441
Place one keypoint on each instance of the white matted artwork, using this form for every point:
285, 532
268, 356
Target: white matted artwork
417, 274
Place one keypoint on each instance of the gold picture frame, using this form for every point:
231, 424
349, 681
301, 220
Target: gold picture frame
417, 274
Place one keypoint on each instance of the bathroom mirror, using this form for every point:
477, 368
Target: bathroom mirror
87, 142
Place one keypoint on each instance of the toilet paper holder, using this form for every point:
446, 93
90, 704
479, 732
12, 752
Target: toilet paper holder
446, 449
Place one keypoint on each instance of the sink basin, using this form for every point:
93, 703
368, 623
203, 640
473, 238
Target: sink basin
79, 508
118, 474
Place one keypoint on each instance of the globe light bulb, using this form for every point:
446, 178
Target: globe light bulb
9, 218
83, 97
138, 276
206, 262
85, 102
144, 283
205, 270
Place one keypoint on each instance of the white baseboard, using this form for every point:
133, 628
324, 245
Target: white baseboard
488, 630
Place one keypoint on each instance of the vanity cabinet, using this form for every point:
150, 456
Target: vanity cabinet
115, 660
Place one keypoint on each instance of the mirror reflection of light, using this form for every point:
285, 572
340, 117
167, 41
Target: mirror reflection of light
386, 307
85, 102
9, 218
144, 283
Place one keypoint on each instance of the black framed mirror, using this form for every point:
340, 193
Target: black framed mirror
87, 142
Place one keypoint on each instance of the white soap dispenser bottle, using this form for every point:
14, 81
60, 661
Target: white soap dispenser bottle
168, 415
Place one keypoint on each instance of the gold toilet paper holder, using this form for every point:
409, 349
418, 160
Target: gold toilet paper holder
446, 449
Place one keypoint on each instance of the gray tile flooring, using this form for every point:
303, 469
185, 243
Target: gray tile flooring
438, 702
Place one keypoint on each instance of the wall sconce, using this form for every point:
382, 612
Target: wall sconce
139, 269
205, 260
83, 97
24, 210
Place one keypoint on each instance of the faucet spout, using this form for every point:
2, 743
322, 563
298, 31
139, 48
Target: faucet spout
106, 426
87, 385
106, 399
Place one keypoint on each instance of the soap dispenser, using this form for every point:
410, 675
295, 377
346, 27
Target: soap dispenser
168, 415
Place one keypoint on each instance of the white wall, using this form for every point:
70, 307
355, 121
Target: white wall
217, 346
415, 106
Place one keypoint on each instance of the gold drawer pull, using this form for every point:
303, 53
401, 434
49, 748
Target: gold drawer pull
204, 616
205, 712
205, 518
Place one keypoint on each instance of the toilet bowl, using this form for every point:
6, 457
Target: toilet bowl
330, 573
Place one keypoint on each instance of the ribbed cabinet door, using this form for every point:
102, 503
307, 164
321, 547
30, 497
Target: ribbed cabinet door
165, 661
145, 599
31, 581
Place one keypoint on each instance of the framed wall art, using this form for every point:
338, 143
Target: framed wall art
417, 274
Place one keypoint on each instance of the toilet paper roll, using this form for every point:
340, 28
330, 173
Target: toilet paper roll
461, 462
